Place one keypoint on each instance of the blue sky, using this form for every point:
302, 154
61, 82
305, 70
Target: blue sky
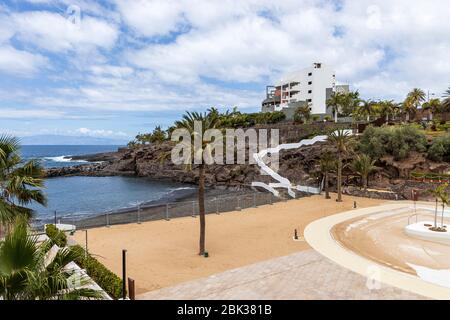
116, 68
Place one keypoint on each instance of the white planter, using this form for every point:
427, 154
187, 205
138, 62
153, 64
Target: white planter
420, 231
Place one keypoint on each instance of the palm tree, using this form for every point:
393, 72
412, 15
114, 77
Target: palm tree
20, 182
446, 102
29, 271
387, 108
434, 106
327, 164
413, 101
367, 108
341, 140
363, 165
188, 122
302, 113
440, 192
335, 103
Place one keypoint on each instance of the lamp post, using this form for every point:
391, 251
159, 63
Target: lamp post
86, 243
124, 274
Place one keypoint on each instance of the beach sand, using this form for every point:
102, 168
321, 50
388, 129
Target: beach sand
164, 253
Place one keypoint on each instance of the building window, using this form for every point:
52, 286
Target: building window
310, 74
309, 91
310, 83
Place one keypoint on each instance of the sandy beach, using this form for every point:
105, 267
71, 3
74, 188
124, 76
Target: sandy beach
164, 253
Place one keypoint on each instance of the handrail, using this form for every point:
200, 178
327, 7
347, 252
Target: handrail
283, 182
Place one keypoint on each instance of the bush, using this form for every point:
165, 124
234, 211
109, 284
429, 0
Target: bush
440, 149
105, 278
56, 236
395, 141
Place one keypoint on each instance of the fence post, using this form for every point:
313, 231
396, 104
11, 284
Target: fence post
107, 219
238, 207
167, 212
139, 214
193, 209
254, 200
217, 205
270, 199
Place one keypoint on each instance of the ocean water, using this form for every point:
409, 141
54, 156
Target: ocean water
59, 156
79, 197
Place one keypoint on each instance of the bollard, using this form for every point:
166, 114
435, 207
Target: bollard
270, 200
238, 207
167, 212
254, 200
193, 209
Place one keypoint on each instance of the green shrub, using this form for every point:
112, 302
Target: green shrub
430, 176
440, 149
105, 278
57, 236
395, 141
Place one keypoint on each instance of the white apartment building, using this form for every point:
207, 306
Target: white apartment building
311, 85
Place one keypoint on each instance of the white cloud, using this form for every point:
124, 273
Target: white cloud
10, 113
56, 33
168, 48
151, 18
20, 62
100, 133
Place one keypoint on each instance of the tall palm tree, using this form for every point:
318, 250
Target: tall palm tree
434, 106
188, 123
341, 140
20, 183
327, 164
413, 101
363, 165
29, 271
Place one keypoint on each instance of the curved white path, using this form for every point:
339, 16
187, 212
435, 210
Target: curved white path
318, 235
282, 181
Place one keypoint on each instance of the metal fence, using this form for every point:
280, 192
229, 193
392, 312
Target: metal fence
165, 211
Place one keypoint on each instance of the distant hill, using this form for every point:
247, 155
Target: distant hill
69, 140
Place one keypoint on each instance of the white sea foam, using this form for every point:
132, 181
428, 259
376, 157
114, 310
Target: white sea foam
63, 159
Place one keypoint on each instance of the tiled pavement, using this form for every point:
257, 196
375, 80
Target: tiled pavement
303, 275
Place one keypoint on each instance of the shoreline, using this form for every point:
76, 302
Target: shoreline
181, 203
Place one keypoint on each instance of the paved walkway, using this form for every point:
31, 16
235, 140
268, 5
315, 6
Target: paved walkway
303, 275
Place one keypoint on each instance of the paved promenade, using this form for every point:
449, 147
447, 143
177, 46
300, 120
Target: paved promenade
303, 275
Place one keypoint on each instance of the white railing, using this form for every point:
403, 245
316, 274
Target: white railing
282, 181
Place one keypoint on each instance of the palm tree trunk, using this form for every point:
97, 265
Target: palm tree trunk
327, 191
339, 179
407, 116
442, 217
201, 207
435, 214
335, 116
365, 183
